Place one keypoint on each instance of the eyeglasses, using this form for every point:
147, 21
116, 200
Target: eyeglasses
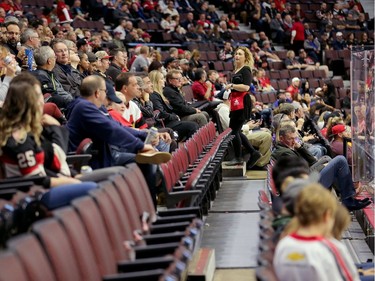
104, 90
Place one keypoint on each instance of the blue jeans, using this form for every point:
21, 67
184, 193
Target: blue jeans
317, 150
62, 195
337, 171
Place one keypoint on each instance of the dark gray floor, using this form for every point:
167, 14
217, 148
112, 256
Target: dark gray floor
231, 227
238, 196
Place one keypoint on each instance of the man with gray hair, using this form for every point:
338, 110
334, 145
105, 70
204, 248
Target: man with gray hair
46, 60
69, 77
336, 170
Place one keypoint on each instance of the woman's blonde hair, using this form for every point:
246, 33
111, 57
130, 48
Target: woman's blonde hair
21, 109
155, 76
249, 59
313, 203
342, 221
290, 53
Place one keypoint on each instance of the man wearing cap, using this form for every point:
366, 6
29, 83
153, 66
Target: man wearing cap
46, 60
69, 77
335, 171
83, 45
171, 63
187, 74
141, 63
339, 43
294, 88
340, 132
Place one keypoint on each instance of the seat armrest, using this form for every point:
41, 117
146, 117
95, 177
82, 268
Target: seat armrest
145, 264
169, 227
173, 219
179, 211
168, 237
157, 250
149, 275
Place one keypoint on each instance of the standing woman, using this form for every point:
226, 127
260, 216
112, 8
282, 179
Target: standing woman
240, 105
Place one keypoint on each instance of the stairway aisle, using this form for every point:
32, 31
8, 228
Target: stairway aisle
231, 228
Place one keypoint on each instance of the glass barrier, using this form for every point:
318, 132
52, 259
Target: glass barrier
363, 115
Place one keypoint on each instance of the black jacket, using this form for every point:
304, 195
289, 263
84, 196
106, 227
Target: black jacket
177, 101
282, 150
165, 110
69, 78
52, 86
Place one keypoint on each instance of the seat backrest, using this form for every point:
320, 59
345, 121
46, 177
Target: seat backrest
11, 268
97, 233
33, 258
188, 93
112, 223
139, 188
58, 248
82, 248
122, 192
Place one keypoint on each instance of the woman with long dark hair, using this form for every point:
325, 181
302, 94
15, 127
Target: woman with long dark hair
240, 105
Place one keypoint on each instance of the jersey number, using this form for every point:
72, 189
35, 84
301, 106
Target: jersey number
26, 159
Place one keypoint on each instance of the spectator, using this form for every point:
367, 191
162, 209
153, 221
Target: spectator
314, 210
351, 23
339, 43
180, 107
69, 78
165, 115
8, 66
340, 132
365, 40
329, 93
277, 30
312, 47
46, 61
310, 63
13, 33
293, 89
126, 83
297, 35
83, 45
22, 137
141, 63
336, 170
226, 53
118, 63
86, 120
351, 41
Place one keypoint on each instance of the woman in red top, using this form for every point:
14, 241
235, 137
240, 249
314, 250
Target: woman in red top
240, 105
298, 35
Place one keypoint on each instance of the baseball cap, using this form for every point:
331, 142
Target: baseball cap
102, 55
82, 42
338, 129
317, 90
338, 34
111, 95
167, 61
91, 57
294, 188
295, 79
184, 61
